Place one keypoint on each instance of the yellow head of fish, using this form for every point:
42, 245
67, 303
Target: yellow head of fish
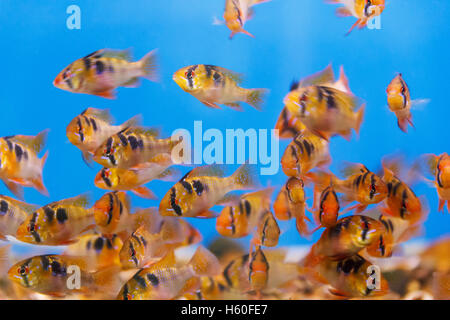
27, 273
109, 208
109, 154
107, 178
191, 78
397, 94
71, 77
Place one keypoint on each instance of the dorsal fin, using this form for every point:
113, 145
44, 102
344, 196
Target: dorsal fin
102, 114
147, 131
20, 204
212, 170
81, 201
35, 143
113, 53
167, 262
326, 76
236, 77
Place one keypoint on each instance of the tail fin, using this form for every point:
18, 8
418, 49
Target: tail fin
204, 263
359, 118
244, 177
107, 281
15, 188
150, 66
38, 183
134, 121
255, 97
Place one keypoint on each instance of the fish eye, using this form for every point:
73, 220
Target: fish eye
22, 270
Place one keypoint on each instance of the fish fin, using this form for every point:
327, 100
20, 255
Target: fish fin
322, 77
403, 123
5, 253
132, 122
164, 159
229, 199
107, 280
255, 2
38, 183
118, 54
81, 200
15, 188
102, 114
169, 175
35, 143
357, 23
236, 106
359, 118
302, 227
255, 97
338, 293
235, 76
217, 22
343, 12
232, 34
321, 134
211, 105
211, 170
342, 83
23, 205
88, 159
167, 261
441, 205
204, 263
207, 214
245, 177
347, 135
247, 33
106, 94
132, 83
150, 66
144, 192
148, 131
148, 217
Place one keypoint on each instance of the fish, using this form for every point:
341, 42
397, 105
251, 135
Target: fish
236, 273
98, 251
348, 237
290, 125
303, 154
58, 223
401, 201
164, 280
202, 188
439, 167
349, 277
326, 111
134, 179
12, 214
237, 13
102, 71
132, 147
49, 275
19, 163
143, 247
258, 271
214, 85
93, 127
326, 212
399, 102
112, 214
239, 219
267, 231
363, 10
291, 203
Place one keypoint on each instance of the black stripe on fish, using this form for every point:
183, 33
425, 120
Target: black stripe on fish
69, 83
403, 207
331, 101
209, 69
99, 67
140, 280
174, 204
198, 187
105, 178
248, 207
125, 292
133, 142
153, 279
217, 79
319, 94
143, 241
373, 190
358, 181
98, 244
3, 207
61, 215
88, 245
109, 243
49, 213
226, 274
109, 145
111, 207
9, 143
308, 147
187, 186
233, 226
32, 226
133, 254
94, 124
123, 139
57, 269
87, 63
19, 152
382, 246
189, 75
365, 227
80, 129
45, 262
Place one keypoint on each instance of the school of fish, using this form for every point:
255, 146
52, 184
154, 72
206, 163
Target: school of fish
129, 253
